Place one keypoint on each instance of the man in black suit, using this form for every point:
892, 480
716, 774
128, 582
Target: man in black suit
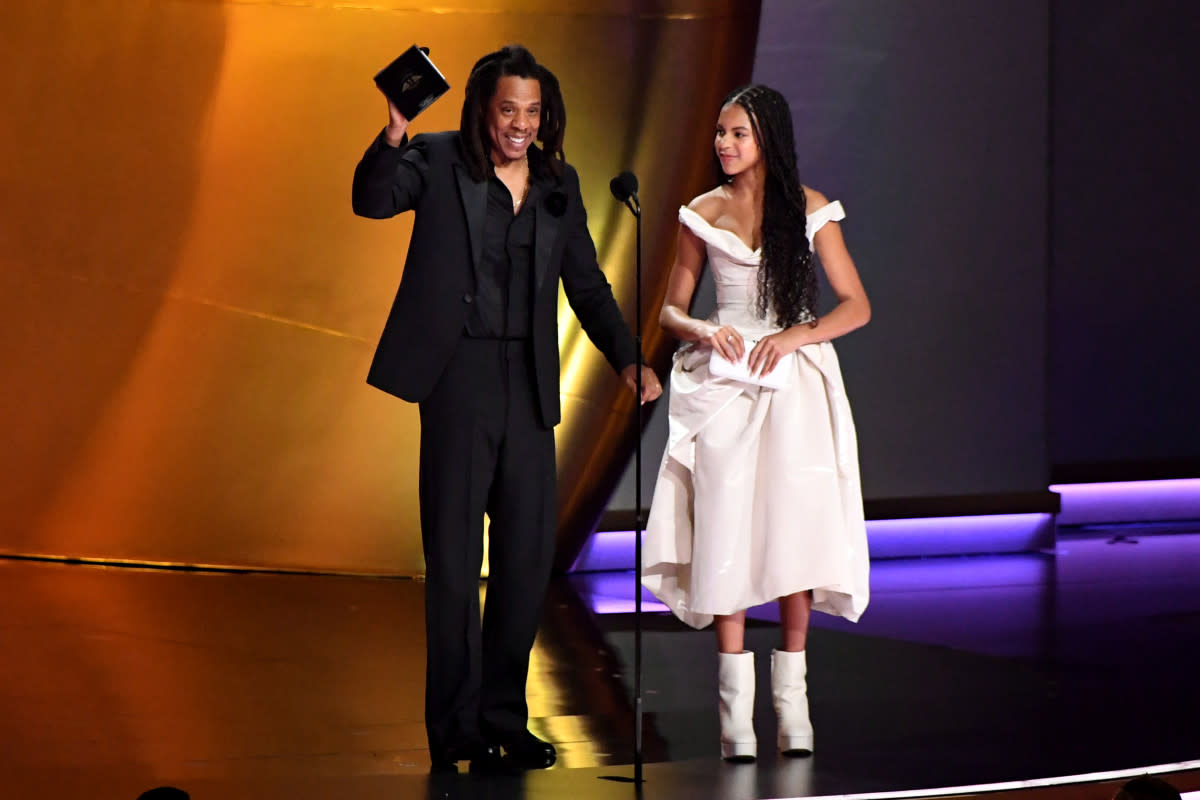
473, 338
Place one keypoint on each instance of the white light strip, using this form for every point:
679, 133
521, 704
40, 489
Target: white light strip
1093, 777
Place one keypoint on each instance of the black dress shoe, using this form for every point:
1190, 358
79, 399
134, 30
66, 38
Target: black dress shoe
487, 758
526, 751
484, 756
442, 764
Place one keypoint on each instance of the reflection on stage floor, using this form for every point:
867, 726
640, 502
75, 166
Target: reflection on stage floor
965, 670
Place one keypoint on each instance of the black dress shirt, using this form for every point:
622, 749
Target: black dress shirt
504, 281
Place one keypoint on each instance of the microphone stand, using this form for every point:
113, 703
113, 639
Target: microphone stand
624, 189
634, 206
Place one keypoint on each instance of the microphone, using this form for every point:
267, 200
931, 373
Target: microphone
624, 187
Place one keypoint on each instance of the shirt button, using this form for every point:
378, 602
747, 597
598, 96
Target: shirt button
468, 299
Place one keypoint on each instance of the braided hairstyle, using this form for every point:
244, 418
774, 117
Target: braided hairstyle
516, 61
787, 278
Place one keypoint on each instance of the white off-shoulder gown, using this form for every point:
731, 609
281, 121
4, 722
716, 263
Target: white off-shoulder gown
758, 494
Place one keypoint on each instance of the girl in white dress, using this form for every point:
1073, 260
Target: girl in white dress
758, 495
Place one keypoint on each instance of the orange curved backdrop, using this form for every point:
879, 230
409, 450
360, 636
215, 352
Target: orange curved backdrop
189, 306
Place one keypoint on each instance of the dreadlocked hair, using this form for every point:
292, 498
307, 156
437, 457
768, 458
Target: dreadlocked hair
516, 61
787, 279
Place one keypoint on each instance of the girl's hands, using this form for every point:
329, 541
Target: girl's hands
770, 350
728, 342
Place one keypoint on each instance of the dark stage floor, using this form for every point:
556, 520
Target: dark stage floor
965, 670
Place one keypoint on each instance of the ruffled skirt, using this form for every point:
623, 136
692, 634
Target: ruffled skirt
758, 494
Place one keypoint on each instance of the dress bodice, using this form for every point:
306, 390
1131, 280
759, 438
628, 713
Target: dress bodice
734, 266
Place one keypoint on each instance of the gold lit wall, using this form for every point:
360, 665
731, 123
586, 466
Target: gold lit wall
188, 305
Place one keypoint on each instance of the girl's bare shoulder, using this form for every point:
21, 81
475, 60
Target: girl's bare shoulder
710, 205
813, 200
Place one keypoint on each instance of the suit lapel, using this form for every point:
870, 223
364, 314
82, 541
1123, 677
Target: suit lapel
545, 230
474, 202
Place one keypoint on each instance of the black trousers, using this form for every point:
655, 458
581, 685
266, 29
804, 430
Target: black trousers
483, 449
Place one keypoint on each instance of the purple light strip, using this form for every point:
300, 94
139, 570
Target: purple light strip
1140, 501
944, 536
894, 538
1082, 503
606, 550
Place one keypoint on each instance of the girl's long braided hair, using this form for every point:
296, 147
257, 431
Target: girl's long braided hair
787, 278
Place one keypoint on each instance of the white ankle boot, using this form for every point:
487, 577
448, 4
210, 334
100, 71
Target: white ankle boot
736, 688
790, 689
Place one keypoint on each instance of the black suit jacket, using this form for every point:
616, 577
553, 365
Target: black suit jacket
428, 316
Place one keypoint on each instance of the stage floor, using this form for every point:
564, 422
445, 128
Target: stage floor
964, 671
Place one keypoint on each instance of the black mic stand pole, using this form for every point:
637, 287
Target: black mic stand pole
635, 207
624, 189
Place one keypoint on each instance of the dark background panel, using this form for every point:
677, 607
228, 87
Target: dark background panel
1125, 289
922, 119
1020, 182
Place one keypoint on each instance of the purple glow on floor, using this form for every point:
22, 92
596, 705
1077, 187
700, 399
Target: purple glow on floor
1140, 501
612, 593
1014, 583
1043, 606
961, 593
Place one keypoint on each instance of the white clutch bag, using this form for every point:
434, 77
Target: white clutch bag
719, 366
